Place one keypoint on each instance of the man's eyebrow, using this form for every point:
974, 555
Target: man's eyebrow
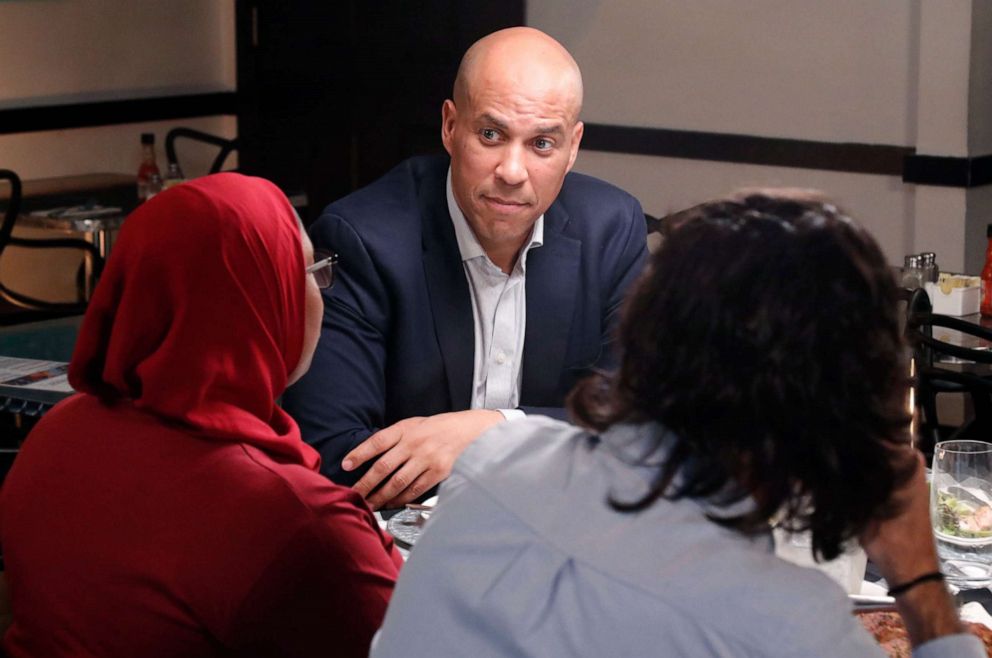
546, 129
502, 125
550, 129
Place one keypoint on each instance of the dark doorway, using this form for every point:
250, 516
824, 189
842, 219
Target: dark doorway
331, 95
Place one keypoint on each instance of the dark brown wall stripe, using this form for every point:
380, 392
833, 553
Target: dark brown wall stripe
947, 171
105, 113
748, 149
853, 158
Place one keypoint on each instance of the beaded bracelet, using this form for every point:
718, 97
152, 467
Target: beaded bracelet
925, 578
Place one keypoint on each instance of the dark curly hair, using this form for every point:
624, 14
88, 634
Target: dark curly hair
765, 335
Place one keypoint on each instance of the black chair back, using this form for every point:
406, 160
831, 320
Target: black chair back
227, 146
7, 239
943, 366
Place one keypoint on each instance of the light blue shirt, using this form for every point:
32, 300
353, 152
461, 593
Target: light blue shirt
524, 557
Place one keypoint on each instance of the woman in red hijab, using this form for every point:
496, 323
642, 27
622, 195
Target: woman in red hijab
170, 507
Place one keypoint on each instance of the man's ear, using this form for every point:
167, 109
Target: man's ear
449, 114
577, 131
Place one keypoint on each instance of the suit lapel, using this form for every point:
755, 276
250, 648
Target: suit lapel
451, 305
552, 282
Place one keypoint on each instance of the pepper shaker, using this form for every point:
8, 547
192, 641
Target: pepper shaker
912, 272
930, 270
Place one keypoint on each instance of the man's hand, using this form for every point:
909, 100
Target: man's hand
903, 548
421, 451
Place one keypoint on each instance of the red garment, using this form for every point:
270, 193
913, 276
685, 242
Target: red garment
171, 509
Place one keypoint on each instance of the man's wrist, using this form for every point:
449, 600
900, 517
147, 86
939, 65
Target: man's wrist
902, 588
929, 612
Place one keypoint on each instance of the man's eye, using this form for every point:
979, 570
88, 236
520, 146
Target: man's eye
489, 134
542, 144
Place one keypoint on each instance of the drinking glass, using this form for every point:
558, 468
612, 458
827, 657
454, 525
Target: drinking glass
961, 511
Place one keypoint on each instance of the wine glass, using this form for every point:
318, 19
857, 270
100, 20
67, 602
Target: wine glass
961, 511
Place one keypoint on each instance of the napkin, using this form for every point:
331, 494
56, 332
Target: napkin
975, 612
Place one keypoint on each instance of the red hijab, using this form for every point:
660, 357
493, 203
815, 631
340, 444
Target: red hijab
199, 315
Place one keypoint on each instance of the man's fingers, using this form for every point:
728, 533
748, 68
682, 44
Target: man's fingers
381, 469
418, 488
376, 444
399, 483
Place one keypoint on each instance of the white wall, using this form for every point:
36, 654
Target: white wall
979, 199
64, 51
980, 114
804, 69
53, 49
665, 185
892, 73
942, 91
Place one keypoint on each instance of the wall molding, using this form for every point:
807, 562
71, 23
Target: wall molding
855, 158
105, 113
948, 171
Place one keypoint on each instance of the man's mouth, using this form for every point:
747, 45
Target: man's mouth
508, 205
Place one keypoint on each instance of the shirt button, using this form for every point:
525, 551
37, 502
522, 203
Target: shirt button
500, 358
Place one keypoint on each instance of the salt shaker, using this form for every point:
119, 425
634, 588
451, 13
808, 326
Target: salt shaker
912, 272
930, 270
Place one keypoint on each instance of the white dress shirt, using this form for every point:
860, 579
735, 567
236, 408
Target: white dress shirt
499, 313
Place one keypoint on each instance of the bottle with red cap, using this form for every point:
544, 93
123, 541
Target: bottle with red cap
149, 177
986, 307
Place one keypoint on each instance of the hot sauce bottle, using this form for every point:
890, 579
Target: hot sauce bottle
986, 307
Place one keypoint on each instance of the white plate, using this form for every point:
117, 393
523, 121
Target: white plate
405, 526
872, 596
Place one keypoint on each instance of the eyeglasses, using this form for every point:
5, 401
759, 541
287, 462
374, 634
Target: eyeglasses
323, 268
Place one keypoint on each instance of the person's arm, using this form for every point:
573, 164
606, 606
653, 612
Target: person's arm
903, 549
340, 402
325, 593
413, 455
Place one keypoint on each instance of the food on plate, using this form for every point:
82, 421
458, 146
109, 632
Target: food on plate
958, 518
888, 630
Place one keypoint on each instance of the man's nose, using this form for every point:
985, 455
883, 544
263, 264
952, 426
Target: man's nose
512, 167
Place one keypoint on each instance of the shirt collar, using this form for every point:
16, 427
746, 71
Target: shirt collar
642, 449
468, 244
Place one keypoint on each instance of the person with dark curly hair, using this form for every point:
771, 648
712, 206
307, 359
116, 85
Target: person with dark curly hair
763, 380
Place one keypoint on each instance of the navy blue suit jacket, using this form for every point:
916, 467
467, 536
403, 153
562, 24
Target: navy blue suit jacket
398, 337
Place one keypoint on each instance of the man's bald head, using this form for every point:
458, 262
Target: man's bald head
513, 133
519, 56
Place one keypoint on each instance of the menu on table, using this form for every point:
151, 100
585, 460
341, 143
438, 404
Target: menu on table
34, 380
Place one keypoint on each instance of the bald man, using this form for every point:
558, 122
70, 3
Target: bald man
473, 289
